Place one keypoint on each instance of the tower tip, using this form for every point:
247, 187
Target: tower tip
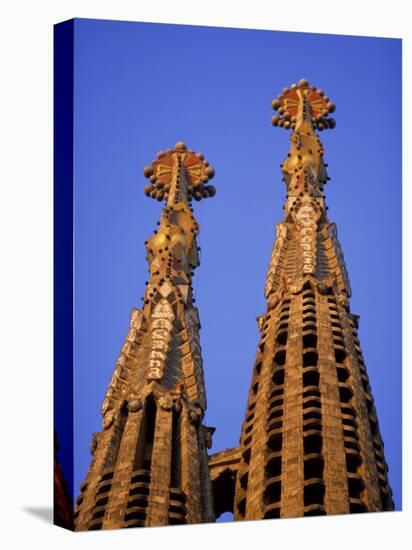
291, 102
197, 173
303, 83
180, 146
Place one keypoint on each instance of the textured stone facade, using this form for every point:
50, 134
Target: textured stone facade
223, 468
310, 442
150, 464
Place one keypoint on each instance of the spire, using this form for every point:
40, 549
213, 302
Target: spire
310, 442
153, 446
304, 109
177, 176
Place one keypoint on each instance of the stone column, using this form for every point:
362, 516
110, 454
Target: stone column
206, 495
124, 468
368, 470
158, 508
190, 466
334, 473
104, 454
258, 446
292, 444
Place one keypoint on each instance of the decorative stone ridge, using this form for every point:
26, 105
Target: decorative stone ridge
306, 243
149, 464
281, 235
117, 383
310, 443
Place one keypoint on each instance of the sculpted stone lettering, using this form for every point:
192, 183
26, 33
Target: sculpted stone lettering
157, 354
163, 310
162, 323
160, 333
306, 218
161, 328
159, 344
154, 373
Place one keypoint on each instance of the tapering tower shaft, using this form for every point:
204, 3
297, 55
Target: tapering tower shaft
149, 463
310, 442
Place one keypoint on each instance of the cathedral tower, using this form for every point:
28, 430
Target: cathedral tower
150, 464
310, 442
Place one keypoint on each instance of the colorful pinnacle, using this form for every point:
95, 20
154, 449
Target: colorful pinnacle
197, 172
315, 106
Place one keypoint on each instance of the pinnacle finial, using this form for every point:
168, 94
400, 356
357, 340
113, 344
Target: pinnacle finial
197, 173
303, 100
180, 146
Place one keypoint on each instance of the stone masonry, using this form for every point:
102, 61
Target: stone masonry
310, 442
150, 464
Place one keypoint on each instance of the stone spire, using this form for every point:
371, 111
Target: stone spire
304, 109
176, 176
149, 463
310, 443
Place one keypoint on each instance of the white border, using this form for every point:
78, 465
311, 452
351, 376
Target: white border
26, 273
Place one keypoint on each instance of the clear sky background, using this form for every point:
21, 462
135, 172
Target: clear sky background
141, 87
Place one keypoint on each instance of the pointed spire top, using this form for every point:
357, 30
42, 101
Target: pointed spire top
167, 170
303, 102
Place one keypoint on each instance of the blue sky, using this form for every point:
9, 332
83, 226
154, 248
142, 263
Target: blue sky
142, 87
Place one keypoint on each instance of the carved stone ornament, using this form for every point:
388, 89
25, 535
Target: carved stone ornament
342, 299
208, 431
136, 318
135, 405
108, 420
195, 413
296, 288
274, 298
179, 174
165, 402
260, 321
323, 288
194, 417
106, 404
281, 234
307, 216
